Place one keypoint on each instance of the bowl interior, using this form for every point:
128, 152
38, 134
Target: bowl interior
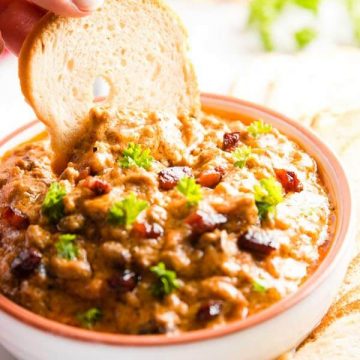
335, 181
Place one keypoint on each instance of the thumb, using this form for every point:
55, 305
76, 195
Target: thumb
88, 5
69, 7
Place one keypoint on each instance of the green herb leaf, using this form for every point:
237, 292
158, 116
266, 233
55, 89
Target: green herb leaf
167, 281
263, 14
135, 155
258, 127
53, 206
190, 189
90, 317
259, 286
268, 194
126, 211
312, 5
66, 247
241, 155
354, 10
304, 37
266, 37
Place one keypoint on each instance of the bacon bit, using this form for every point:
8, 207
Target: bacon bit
15, 218
168, 178
231, 141
26, 263
209, 311
148, 231
258, 241
289, 180
97, 186
201, 222
210, 178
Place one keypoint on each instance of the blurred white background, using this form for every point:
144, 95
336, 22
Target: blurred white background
223, 49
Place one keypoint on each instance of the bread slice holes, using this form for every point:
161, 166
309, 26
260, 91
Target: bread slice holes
75, 92
70, 65
101, 89
156, 72
150, 58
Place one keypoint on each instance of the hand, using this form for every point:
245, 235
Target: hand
17, 17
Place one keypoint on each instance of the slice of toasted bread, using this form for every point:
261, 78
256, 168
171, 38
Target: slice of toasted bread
347, 125
138, 46
352, 278
338, 309
339, 339
350, 297
346, 305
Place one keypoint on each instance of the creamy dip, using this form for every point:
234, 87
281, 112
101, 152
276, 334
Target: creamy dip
160, 224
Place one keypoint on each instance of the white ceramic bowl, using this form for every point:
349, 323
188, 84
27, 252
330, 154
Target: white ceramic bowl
263, 336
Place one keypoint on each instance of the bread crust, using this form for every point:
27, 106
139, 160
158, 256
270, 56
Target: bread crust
41, 95
24, 63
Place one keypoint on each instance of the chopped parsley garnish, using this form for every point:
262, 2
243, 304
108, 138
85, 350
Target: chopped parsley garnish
190, 189
259, 286
263, 14
258, 127
304, 37
241, 155
135, 155
90, 317
268, 194
126, 211
166, 280
53, 206
66, 247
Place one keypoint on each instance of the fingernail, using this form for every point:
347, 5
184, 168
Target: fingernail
87, 5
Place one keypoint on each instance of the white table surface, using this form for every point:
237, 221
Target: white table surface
222, 50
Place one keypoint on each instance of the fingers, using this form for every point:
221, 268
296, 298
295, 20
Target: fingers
18, 17
4, 4
69, 7
16, 21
